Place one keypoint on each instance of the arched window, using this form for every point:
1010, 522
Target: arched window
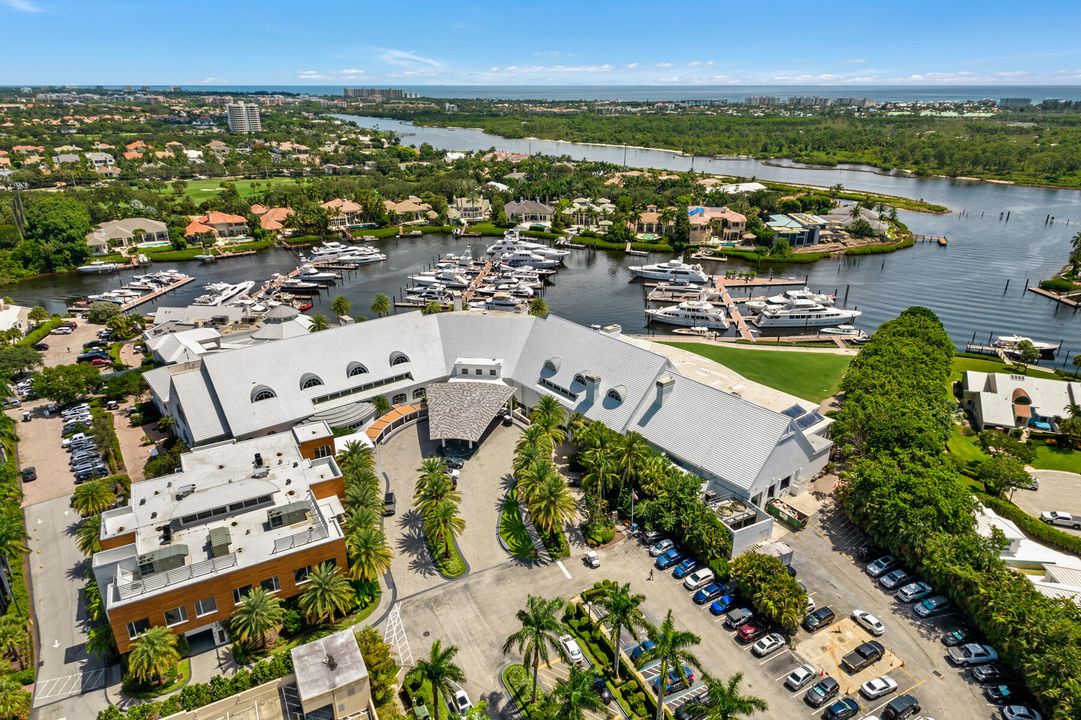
418, 394
615, 396
308, 380
552, 365
398, 399
355, 368
580, 379
262, 392
397, 358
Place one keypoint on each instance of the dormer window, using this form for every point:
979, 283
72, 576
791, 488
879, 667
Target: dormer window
262, 392
309, 381
355, 369
398, 358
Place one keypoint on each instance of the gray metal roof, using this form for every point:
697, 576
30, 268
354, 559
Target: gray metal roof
463, 409
204, 416
327, 664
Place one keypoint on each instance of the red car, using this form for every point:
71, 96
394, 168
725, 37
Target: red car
752, 631
100, 362
70, 323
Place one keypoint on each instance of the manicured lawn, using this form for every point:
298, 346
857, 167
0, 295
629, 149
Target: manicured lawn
987, 365
200, 190
513, 529
965, 449
1049, 457
809, 375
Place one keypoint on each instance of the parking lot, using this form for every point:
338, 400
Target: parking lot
39, 447
1058, 491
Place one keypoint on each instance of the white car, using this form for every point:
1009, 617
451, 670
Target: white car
462, 703
768, 645
570, 647
62, 330
798, 678
914, 591
697, 579
868, 622
878, 687
69, 440
1061, 518
973, 654
661, 547
1020, 712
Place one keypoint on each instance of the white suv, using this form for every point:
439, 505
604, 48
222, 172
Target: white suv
698, 578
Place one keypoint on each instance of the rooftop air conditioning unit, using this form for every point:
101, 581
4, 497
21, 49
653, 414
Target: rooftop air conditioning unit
261, 472
184, 490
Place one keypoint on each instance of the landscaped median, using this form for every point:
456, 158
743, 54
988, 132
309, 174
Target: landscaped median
513, 533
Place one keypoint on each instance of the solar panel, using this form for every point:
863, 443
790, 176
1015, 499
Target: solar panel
794, 412
809, 420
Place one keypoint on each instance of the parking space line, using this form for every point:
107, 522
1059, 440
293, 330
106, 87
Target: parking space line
564, 569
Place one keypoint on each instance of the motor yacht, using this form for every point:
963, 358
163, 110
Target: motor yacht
221, 293
512, 243
441, 277
504, 301
522, 257
1009, 343
671, 271
692, 313
804, 313
802, 294
99, 266
330, 251
315, 275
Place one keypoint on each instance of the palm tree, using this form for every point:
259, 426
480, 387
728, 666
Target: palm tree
100, 642
88, 536
319, 322
340, 305
14, 700
153, 655
632, 452
538, 307
328, 594
539, 634
443, 524
382, 405
93, 498
537, 436
12, 535
381, 305
551, 504
533, 477
431, 308
723, 701
257, 617
622, 609
575, 695
670, 646
13, 639
369, 554
549, 414
356, 456
440, 672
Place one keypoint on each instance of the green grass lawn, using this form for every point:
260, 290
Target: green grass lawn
987, 365
1049, 457
200, 190
809, 375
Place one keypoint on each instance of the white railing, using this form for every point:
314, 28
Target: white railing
157, 581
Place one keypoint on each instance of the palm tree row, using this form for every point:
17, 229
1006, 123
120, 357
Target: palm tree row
541, 488
437, 501
365, 541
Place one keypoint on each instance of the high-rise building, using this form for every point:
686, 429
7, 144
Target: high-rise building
244, 118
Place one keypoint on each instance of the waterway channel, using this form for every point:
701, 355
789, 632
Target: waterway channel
965, 283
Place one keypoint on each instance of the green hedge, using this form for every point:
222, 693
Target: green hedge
1036, 528
1057, 284
41, 331
598, 241
880, 248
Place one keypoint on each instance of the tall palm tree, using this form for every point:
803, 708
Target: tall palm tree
369, 554
444, 524
631, 453
328, 595
538, 307
381, 305
360, 497
533, 477
600, 476
340, 305
670, 646
319, 322
622, 609
536, 435
525, 457
100, 642
93, 498
355, 457
13, 640
539, 634
88, 536
153, 655
549, 414
575, 695
257, 617
723, 700
551, 504
440, 672
14, 700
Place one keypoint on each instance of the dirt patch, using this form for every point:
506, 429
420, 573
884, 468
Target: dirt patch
825, 649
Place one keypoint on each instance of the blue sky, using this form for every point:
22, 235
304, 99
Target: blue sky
455, 42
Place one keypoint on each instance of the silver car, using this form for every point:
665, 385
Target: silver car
914, 591
798, 678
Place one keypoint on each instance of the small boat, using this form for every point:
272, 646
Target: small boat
848, 332
304, 307
504, 301
206, 258
699, 331
99, 266
300, 287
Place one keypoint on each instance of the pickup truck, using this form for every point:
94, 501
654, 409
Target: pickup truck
863, 656
1060, 518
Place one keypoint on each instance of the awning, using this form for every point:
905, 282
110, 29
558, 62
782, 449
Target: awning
349, 415
463, 410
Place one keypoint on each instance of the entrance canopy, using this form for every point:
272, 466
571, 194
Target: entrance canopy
463, 409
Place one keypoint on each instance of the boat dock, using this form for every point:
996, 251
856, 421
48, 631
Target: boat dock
663, 297
940, 239
631, 251
1069, 302
736, 282
993, 350
476, 282
707, 256
155, 294
271, 285
733, 310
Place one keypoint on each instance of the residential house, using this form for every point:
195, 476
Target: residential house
103, 146
14, 317
343, 213
470, 209
195, 156
710, 224
799, 229
998, 400
66, 159
187, 547
132, 155
272, 219
719, 186
588, 212
409, 211
122, 234
217, 147
220, 225
528, 211
100, 159
28, 149
135, 146
651, 222
68, 149
841, 217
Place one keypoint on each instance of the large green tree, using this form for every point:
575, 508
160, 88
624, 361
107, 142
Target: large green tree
622, 611
440, 672
67, 383
673, 648
153, 655
257, 618
327, 595
724, 701
539, 634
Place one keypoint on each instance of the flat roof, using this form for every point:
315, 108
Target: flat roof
327, 664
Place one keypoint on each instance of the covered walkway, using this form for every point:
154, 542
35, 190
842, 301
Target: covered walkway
463, 409
398, 416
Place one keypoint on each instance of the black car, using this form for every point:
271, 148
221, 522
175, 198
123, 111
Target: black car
30, 474
902, 707
822, 692
819, 619
984, 674
93, 344
40, 346
453, 463
600, 686
843, 709
1002, 694
956, 636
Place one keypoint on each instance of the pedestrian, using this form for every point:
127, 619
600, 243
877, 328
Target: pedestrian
650, 573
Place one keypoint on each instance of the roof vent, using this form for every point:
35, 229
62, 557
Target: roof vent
330, 662
184, 490
258, 459
261, 472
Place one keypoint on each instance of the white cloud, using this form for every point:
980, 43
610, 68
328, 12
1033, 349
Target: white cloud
664, 65
25, 6
631, 66
407, 59
561, 69
312, 75
346, 72
852, 61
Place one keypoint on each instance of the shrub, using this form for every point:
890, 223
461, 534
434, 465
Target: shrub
292, 622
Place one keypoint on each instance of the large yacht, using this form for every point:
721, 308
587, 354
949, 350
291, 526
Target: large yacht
1010, 343
512, 242
692, 313
672, 271
221, 293
331, 251
445, 277
99, 266
523, 257
361, 256
804, 293
804, 313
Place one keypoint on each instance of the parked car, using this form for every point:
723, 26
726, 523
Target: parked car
935, 605
670, 558
984, 674
390, 504
708, 593
93, 344
1001, 694
822, 692
676, 680
972, 654
738, 618
570, 647
956, 636
600, 686
698, 578
881, 566
40, 346
914, 591
1020, 712
819, 619
865, 655
100, 362
799, 677
869, 622
62, 330
723, 604
767, 645
751, 631
69, 324
878, 687
894, 579
1063, 519
30, 474
641, 649
690, 709
685, 568
462, 703
660, 547
842, 709
74, 438
901, 707
453, 463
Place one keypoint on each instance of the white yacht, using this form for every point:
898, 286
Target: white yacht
361, 256
512, 242
445, 277
99, 266
848, 332
437, 293
802, 294
1009, 343
221, 293
804, 314
522, 257
692, 313
671, 271
315, 275
330, 251
504, 301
